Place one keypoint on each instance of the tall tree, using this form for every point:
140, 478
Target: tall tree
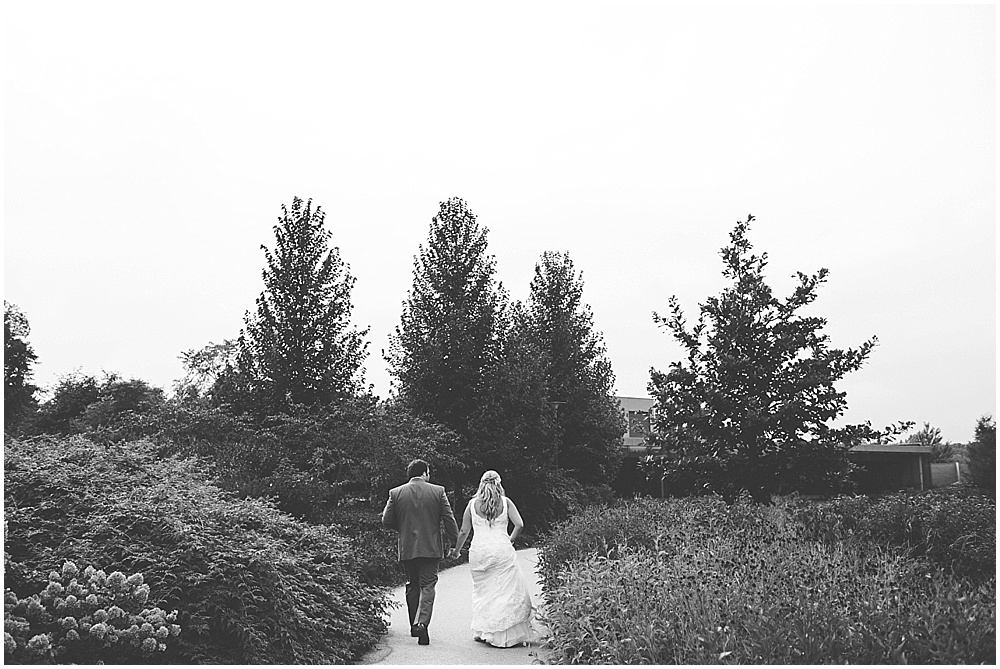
18, 357
750, 408
447, 337
580, 378
982, 455
512, 426
300, 348
941, 451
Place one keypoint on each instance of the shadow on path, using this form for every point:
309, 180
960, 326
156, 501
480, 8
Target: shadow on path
451, 636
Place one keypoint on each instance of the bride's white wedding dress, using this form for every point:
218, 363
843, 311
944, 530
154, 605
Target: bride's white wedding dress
501, 605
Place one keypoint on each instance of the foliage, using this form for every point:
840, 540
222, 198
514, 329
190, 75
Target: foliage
204, 367
447, 339
250, 584
72, 395
393, 438
300, 348
512, 428
86, 617
954, 528
751, 407
982, 455
941, 451
694, 581
108, 410
579, 376
18, 357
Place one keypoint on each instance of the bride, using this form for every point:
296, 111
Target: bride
501, 605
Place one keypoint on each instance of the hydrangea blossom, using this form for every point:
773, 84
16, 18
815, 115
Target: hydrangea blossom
69, 569
141, 594
116, 580
68, 623
92, 600
9, 645
72, 635
52, 589
99, 630
39, 643
149, 645
135, 580
100, 615
116, 612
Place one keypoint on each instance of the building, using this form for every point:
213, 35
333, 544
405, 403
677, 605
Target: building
892, 466
637, 412
884, 467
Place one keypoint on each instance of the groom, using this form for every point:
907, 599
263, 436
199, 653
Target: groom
415, 510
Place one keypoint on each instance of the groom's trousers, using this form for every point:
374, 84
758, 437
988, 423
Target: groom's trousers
421, 577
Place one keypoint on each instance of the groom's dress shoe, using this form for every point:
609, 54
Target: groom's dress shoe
414, 631
423, 639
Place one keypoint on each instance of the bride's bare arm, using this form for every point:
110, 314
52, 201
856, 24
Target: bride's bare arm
515, 518
463, 533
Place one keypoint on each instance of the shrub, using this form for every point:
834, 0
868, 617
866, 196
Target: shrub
954, 528
982, 455
251, 585
649, 524
693, 581
789, 603
86, 617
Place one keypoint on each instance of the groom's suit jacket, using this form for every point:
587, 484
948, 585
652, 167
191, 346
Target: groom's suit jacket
415, 510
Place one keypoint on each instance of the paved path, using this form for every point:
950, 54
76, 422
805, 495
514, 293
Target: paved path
451, 637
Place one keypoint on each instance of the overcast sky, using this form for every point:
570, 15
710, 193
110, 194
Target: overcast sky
148, 148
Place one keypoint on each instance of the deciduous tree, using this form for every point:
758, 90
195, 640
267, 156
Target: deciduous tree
447, 338
18, 357
300, 348
751, 407
580, 381
982, 455
941, 451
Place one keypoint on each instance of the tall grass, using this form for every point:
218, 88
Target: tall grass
696, 582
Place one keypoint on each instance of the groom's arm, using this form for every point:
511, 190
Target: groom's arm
389, 514
450, 526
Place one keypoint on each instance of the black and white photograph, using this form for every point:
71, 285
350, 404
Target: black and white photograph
465, 333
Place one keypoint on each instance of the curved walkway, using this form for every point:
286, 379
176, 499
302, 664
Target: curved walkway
451, 637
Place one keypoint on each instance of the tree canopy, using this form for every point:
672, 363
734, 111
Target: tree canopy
751, 407
300, 348
580, 381
447, 339
18, 357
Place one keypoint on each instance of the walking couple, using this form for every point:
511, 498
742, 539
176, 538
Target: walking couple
501, 605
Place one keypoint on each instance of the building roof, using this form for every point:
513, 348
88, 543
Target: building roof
915, 449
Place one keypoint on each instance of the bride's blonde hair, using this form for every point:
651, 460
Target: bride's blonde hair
490, 494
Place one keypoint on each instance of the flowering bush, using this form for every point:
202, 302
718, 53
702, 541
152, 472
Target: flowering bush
250, 584
86, 617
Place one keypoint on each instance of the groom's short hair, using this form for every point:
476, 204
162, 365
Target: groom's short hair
417, 468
